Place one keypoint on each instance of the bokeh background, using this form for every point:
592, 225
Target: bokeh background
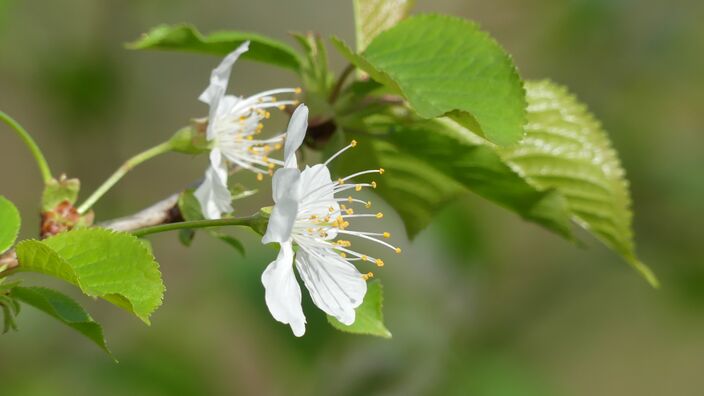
481, 303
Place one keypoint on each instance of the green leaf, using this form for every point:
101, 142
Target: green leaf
230, 240
565, 148
374, 16
185, 37
58, 191
446, 66
115, 266
9, 305
189, 206
430, 163
64, 309
369, 316
9, 223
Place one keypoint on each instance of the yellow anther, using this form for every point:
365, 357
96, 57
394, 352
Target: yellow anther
358, 187
387, 235
250, 137
364, 258
379, 262
379, 215
331, 209
271, 165
313, 217
349, 211
398, 250
282, 107
266, 148
340, 181
343, 254
310, 230
270, 172
260, 126
278, 146
298, 90
345, 225
242, 118
326, 219
260, 176
373, 184
381, 171
265, 159
367, 276
368, 204
344, 243
267, 115
343, 207
349, 199
353, 143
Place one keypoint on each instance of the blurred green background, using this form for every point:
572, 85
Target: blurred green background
480, 303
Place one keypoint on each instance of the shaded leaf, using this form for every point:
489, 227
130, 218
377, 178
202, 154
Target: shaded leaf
428, 163
565, 148
184, 37
64, 309
369, 316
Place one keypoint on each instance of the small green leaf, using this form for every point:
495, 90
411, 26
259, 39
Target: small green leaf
115, 266
9, 223
372, 17
369, 316
58, 191
187, 38
566, 149
64, 309
230, 240
189, 206
446, 66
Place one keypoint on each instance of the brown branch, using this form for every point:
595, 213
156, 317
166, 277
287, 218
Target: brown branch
162, 212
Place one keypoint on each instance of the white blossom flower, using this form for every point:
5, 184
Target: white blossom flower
233, 124
307, 213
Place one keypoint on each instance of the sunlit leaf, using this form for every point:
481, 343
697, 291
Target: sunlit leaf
372, 17
446, 66
565, 148
9, 223
114, 266
369, 317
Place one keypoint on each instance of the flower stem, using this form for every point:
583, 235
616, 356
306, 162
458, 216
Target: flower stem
122, 171
250, 221
31, 145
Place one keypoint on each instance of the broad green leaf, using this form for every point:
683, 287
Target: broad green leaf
9, 223
114, 266
372, 17
58, 191
369, 316
187, 38
446, 66
428, 163
64, 309
565, 148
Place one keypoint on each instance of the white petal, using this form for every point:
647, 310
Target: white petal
219, 79
285, 185
220, 76
281, 222
295, 133
283, 294
213, 194
317, 194
335, 285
